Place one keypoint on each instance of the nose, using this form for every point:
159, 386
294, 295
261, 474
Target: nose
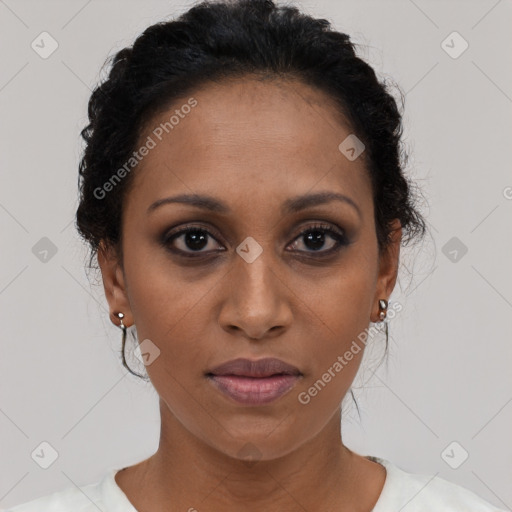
257, 300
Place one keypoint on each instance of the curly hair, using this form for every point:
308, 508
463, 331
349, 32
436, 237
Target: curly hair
217, 41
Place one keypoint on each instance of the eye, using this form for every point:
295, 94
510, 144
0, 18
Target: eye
194, 241
190, 240
314, 238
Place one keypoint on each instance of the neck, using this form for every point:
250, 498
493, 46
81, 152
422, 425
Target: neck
190, 473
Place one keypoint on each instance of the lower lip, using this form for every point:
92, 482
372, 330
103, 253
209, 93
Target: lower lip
254, 390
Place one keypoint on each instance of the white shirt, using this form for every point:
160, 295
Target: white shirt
402, 491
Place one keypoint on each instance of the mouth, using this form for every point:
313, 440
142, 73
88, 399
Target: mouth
254, 390
266, 367
254, 382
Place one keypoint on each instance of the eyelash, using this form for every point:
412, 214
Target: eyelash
339, 237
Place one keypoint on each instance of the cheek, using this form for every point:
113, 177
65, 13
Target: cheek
163, 297
335, 338
173, 308
342, 302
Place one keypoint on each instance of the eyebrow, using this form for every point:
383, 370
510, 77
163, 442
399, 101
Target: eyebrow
292, 205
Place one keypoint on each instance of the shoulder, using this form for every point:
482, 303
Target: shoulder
421, 493
103, 495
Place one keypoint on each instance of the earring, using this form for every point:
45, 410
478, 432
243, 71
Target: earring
120, 316
383, 306
125, 364
123, 328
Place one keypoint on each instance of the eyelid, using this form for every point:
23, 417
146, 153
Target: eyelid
321, 225
183, 228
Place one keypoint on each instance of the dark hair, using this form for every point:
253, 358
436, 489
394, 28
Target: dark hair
217, 41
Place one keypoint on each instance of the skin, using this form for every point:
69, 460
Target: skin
251, 144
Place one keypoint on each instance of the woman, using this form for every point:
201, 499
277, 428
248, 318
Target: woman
242, 189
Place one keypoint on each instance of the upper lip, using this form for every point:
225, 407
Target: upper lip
260, 368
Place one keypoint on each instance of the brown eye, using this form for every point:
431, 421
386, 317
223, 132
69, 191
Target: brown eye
197, 241
190, 240
194, 239
316, 237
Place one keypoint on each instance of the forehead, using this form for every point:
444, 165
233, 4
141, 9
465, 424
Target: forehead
249, 140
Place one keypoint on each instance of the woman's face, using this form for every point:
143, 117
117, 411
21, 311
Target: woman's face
248, 284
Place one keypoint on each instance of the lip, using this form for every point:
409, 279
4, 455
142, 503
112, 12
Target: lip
254, 390
265, 367
254, 382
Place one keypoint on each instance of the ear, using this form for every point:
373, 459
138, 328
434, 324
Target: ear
114, 284
388, 269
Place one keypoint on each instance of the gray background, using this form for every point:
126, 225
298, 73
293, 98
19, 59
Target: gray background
448, 373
